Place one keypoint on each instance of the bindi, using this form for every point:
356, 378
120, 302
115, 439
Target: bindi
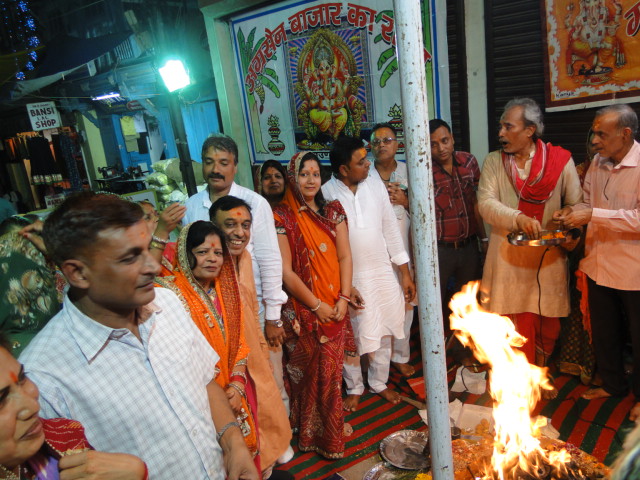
14, 377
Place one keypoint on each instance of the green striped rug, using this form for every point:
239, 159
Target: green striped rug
597, 427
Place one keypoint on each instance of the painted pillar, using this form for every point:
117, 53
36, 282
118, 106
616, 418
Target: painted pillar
423, 228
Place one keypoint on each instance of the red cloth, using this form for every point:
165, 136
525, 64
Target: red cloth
546, 168
541, 333
583, 287
63, 435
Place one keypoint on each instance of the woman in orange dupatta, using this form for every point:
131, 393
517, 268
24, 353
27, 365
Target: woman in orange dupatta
204, 279
316, 258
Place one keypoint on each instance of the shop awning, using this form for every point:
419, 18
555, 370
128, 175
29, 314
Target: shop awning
64, 54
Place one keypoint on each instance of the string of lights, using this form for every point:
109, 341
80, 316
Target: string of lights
20, 34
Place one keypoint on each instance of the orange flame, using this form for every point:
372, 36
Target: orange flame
514, 386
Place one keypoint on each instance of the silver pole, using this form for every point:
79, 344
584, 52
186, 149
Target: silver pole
409, 50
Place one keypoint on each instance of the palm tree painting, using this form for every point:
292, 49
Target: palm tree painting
388, 56
266, 80
387, 61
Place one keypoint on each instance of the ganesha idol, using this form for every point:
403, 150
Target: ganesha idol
327, 86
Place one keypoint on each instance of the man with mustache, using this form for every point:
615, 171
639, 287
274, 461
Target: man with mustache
123, 357
611, 264
219, 167
521, 185
459, 227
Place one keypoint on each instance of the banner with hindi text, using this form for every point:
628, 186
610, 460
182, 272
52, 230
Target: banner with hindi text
314, 70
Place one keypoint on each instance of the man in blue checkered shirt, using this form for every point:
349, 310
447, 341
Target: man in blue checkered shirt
123, 357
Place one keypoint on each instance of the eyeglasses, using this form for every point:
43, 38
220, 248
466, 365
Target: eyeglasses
377, 141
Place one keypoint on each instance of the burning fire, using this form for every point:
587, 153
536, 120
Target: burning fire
515, 388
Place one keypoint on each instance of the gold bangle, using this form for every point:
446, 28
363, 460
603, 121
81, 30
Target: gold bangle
161, 241
157, 245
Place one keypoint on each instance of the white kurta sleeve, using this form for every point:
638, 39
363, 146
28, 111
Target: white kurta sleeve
267, 255
390, 228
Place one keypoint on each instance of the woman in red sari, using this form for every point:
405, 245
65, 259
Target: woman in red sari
204, 279
32, 448
316, 262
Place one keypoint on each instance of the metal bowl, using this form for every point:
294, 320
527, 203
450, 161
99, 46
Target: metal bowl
547, 238
406, 449
384, 471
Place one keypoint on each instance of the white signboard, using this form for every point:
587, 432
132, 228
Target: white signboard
43, 115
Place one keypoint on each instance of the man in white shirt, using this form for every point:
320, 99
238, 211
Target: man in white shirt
376, 243
123, 357
384, 146
219, 167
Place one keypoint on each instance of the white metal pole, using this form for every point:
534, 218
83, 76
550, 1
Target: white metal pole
409, 50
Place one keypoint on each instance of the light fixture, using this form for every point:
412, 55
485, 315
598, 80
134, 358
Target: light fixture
174, 75
106, 95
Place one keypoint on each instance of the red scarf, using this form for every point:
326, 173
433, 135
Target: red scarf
546, 168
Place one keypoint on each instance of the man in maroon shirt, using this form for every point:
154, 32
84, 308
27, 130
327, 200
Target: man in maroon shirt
460, 230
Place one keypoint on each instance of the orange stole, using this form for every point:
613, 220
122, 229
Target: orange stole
274, 429
223, 330
323, 253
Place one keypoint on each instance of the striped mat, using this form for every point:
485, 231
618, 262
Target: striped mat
598, 427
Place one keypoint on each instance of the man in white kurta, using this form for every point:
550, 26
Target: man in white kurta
376, 243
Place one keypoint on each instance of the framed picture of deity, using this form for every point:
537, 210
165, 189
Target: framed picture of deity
314, 70
592, 52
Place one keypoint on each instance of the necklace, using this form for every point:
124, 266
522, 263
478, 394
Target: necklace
9, 475
390, 174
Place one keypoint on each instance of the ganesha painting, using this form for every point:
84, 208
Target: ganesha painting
593, 52
327, 84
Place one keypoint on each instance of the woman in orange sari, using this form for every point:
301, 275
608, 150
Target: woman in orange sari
204, 279
316, 262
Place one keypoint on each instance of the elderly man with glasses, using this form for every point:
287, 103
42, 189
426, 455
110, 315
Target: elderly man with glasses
393, 174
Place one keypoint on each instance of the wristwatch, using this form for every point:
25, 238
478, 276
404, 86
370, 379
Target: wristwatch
276, 323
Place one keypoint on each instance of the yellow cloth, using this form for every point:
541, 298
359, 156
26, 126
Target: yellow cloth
127, 125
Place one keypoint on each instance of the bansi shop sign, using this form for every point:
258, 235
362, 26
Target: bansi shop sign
43, 115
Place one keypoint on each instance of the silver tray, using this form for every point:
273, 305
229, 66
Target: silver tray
405, 449
384, 471
522, 239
